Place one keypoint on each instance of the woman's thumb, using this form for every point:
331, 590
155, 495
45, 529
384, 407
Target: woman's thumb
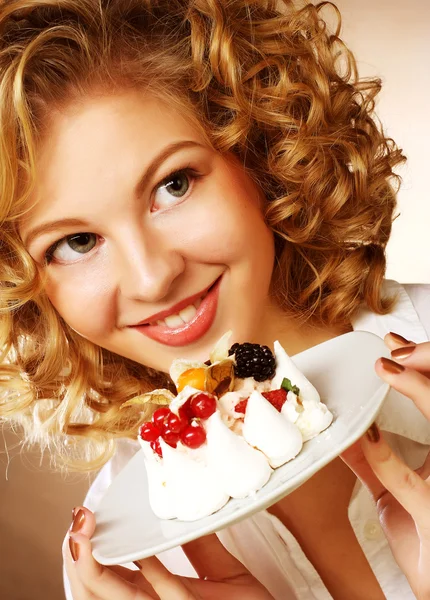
83, 521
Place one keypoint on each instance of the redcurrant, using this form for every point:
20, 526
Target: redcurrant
176, 423
185, 410
193, 436
160, 416
169, 436
203, 405
149, 432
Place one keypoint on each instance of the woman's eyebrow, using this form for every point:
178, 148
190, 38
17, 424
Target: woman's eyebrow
52, 226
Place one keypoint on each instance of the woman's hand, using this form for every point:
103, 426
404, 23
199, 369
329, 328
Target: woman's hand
402, 495
220, 574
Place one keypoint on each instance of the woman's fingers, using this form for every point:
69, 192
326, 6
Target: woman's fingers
88, 578
406, 381
356, 461
409, 489
163, 582
83, 521
414, 356
77, 586
211, 560
394, 340
98, 580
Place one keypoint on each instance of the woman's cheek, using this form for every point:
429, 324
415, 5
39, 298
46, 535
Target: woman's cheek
84, 301
225, 231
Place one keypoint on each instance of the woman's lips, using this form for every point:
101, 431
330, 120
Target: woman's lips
188, 332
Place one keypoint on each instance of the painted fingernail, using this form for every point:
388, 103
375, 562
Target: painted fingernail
74, 549
392, 367
78, 518
403, 352
399, 338
373, 434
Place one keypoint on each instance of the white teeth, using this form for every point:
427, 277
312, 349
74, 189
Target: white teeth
173, 321
184, 316
188, 313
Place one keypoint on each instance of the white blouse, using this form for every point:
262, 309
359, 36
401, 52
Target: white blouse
262, 543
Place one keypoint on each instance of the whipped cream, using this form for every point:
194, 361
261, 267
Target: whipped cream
192, 489
314, 419
180, 485
286, 368
159, 497
292, 407
307, 412
269, 431
239, 468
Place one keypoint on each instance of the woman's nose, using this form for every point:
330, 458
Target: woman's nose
147, 268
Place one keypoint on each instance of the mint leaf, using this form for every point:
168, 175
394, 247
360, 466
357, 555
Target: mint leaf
287, 385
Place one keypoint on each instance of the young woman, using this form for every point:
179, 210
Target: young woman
172, 169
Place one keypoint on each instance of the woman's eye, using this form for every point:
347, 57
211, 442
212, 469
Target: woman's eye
71, 247
172, 189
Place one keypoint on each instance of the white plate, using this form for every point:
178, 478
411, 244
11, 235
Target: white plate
341, 369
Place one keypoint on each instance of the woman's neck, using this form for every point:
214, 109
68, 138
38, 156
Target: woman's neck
294, 335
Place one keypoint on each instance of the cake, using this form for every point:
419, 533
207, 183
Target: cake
234, 419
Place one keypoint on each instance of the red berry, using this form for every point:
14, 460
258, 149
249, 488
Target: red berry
169, 436
160, 416
241, 406
193, 436
203, 405
276, 398
185, 411
149, 432
176, 423
156, 447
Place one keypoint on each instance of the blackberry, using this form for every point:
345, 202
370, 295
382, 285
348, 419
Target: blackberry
253, 360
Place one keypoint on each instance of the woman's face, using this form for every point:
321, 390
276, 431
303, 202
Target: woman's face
155, 244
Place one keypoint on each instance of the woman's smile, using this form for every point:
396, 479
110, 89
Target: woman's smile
185, 322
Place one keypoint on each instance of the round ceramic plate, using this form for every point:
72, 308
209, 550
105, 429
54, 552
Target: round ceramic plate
341, 369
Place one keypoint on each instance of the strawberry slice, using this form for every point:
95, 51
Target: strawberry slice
241, 406
276, 398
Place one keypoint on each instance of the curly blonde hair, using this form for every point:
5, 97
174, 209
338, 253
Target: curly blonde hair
266, 81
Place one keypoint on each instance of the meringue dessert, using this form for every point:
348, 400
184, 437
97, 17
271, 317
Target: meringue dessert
234, 420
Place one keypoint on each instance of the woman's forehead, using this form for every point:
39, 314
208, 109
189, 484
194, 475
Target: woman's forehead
111, 114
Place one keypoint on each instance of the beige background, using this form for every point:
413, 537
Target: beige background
391, 39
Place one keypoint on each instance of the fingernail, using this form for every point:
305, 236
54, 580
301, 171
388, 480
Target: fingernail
392, 367
403, 352
399, 338
74, 549
373, 434
78, 518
